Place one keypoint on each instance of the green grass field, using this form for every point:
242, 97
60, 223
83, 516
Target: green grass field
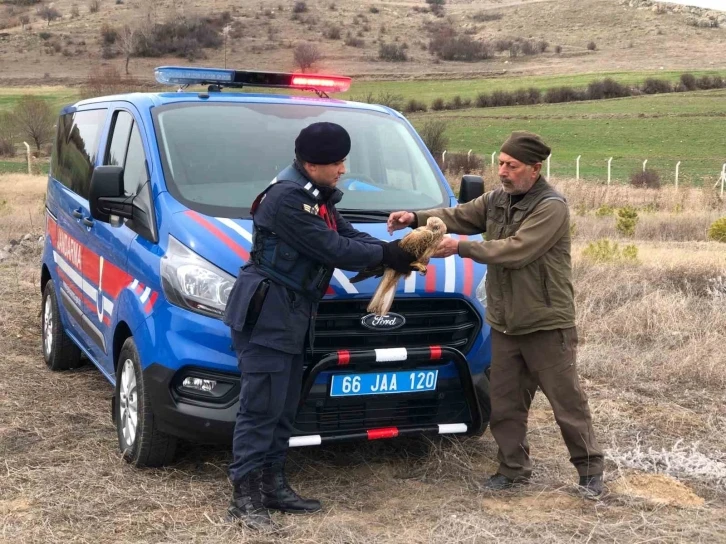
664, 129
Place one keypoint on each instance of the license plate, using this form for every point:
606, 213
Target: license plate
408, 381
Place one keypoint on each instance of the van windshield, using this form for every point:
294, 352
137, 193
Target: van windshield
218, 157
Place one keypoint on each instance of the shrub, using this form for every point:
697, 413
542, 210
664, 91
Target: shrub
708, 82
433, 133
94, 6
107, 81
463, 162
502, 98
626, 221
332, 32
392, 52
45, 35
447, 45
630, 252
181, 37
557, 95
649, 179
390, 100
438, 104
75, 13
592, 46
7, 148
717, 230
109, 34
689, 82
607, 88
374, 9
484, 17
602, 251
306, 55
558, 49
353, 41
413, 105
654, 86
299, 7
604, 211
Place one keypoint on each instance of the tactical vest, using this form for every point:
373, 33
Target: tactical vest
538, 296
278, 260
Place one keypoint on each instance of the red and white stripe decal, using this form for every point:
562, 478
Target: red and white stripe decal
386, 432
452, 428
391, 354
309, 440
468, 272
226, 240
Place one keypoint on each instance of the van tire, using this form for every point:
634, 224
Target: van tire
59, 351
143, 444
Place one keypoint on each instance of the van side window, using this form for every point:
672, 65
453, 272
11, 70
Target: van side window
126, 149
76, 147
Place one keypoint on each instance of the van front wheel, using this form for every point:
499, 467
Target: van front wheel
59, 351
140, 441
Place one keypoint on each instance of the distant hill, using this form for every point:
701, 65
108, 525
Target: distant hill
61, 43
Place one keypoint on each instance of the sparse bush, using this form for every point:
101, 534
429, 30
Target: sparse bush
7, 148
630, 252
689, 82
181, 37
717, 230
649, 179
433, 133
374, 9
654, 86
557, 95
446, 45
24, 20
300, 7
332, 32
413, 106
34, 119
392, 52
45, 35
306, 55
49, 13
604, 211
438, 104
502, 98
109, 34
353, 41
107, 81
94, 6
626, 221
484, 17
602, 251
592, 46
558, 49
390, 100
463, 163
607, 88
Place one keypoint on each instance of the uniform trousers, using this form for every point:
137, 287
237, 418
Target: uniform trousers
269, 394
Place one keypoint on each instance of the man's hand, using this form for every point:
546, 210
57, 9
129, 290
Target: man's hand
449, 246
399, 220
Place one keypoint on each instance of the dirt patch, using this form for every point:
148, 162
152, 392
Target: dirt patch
539, 507
658, 489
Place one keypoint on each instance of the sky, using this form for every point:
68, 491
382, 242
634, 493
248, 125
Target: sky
709, 4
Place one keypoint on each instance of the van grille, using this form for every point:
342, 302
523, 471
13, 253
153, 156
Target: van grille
449, 322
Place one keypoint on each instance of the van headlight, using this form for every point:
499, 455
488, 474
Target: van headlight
194, 283
481, 290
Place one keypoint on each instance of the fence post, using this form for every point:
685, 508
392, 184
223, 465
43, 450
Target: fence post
644, 163
678, 166
29, 158
443, 158
722, 179
577, 175
610, 160
548, 167
493, 159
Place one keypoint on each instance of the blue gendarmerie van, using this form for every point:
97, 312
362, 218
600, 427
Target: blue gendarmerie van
148, 222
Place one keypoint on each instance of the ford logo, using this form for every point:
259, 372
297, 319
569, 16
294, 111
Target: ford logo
387, 322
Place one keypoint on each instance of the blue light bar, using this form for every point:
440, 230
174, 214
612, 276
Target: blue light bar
177, 75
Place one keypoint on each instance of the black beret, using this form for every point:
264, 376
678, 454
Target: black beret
526, 147
322, 143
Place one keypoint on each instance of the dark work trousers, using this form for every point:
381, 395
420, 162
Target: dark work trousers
546, 359
270, 390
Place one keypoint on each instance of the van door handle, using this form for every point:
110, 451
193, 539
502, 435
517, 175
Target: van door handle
77, 213
87, 221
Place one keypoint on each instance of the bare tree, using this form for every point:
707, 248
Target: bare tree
49, 13
34, 119
127, 40
24, 20
306, 55
94, 6
8, 135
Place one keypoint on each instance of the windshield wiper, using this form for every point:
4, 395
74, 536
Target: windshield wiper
365, 216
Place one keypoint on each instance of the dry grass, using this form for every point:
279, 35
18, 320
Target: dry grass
651, 357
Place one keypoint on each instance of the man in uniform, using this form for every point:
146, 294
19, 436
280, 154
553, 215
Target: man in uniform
299, 240
530, 307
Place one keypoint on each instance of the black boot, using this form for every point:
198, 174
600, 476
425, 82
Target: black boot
590, 487
246, 504
277, 494
500, 482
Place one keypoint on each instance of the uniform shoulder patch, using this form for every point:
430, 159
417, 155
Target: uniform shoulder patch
314, 209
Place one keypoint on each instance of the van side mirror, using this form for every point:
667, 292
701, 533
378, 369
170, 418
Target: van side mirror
106, 196
472, 187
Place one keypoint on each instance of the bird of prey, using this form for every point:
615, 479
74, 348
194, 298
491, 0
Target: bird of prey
421, 242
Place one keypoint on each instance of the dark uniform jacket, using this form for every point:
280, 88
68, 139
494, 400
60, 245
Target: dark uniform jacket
292, 212
527, 250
